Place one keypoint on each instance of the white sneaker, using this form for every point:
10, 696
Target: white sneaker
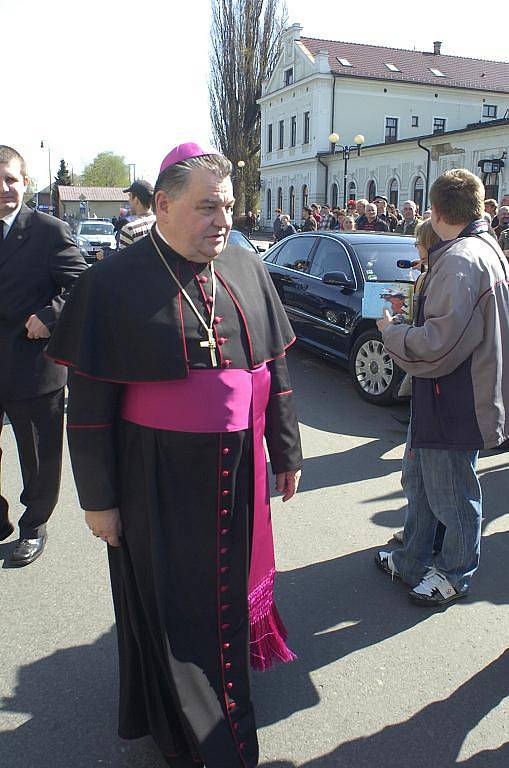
384, 561
434, 589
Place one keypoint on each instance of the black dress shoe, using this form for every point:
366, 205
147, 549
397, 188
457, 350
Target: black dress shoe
6, 531
26, 551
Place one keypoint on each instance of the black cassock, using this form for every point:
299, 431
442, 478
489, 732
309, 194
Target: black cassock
181, 608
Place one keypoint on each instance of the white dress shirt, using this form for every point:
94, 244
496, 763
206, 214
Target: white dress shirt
9, 221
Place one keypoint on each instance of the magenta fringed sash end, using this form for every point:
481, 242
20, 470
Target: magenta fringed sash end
267, 632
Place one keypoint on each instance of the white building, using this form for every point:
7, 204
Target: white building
420, 113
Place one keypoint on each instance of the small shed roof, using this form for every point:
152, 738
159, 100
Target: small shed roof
92, 194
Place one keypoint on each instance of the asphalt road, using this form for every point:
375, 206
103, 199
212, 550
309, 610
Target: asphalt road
378, 682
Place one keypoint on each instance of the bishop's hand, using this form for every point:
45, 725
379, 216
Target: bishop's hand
287, 483
105, 525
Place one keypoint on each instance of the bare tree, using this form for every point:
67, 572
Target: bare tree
245, 45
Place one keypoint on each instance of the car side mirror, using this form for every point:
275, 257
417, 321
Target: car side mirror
338, 278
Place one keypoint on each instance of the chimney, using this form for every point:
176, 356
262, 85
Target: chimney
436, 47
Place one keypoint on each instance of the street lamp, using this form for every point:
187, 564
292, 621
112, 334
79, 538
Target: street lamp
346, 149
49, 169
241, 165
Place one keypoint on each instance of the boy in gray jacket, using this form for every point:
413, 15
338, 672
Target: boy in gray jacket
457, 353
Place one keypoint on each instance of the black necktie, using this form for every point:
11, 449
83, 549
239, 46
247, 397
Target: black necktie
2, 225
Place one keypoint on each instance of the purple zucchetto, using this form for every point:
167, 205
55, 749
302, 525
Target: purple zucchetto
184, 152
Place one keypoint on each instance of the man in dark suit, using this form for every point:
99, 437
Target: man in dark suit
39, 262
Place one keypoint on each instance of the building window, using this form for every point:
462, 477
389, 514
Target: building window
489, 110
371, 190
281, 134
291, 197
293, 131
269, 138
418, 195
334, 195
392, 67
269, 204
306, 127
280, 198
436, 72
305, 196
415, 121
343, 62
352, 191
289, 76
439, 124
391, 130
490, 181
394, 192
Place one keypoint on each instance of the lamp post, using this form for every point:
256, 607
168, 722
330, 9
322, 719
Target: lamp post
346, 149
48, 148
133, 166
241, 165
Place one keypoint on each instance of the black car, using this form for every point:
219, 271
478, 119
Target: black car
320, 278
239, 242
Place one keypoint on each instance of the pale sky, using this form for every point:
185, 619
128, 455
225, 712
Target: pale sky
131, 77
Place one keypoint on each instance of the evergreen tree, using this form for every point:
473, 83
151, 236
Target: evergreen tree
63, 179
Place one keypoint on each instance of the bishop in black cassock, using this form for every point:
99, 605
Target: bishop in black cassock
177, 353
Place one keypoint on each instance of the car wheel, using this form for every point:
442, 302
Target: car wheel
374, 374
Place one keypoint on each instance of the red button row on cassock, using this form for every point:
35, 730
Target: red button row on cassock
224, 588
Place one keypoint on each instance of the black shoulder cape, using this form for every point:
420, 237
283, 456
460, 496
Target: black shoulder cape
122, 322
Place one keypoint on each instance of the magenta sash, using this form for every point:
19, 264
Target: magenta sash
226, 400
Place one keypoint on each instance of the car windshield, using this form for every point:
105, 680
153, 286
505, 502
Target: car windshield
97, 229
379, 261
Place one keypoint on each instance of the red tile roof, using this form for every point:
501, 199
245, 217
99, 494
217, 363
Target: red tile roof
368, 61
93, 194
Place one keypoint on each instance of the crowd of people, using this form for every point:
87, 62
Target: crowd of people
381, 216
174, 354
376, 216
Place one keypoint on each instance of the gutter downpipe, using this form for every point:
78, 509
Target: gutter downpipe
331, 130
326, 177
428, 165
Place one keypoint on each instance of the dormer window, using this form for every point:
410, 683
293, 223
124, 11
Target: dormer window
289, 76
343, 62
392, 67
436, 72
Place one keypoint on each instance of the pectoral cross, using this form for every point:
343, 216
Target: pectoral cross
211, 344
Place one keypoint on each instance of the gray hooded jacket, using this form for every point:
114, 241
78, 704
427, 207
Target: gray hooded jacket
458, 349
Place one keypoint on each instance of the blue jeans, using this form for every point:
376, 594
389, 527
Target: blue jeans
441, 487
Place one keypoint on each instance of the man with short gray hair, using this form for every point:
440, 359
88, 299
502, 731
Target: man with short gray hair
410, 221
503, 220
177, 350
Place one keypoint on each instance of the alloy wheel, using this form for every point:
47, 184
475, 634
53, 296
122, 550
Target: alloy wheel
374, 368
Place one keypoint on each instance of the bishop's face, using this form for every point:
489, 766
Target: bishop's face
198, 222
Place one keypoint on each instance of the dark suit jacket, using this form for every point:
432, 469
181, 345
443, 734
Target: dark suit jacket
39, 263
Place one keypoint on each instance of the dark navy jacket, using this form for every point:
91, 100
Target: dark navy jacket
457, 349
